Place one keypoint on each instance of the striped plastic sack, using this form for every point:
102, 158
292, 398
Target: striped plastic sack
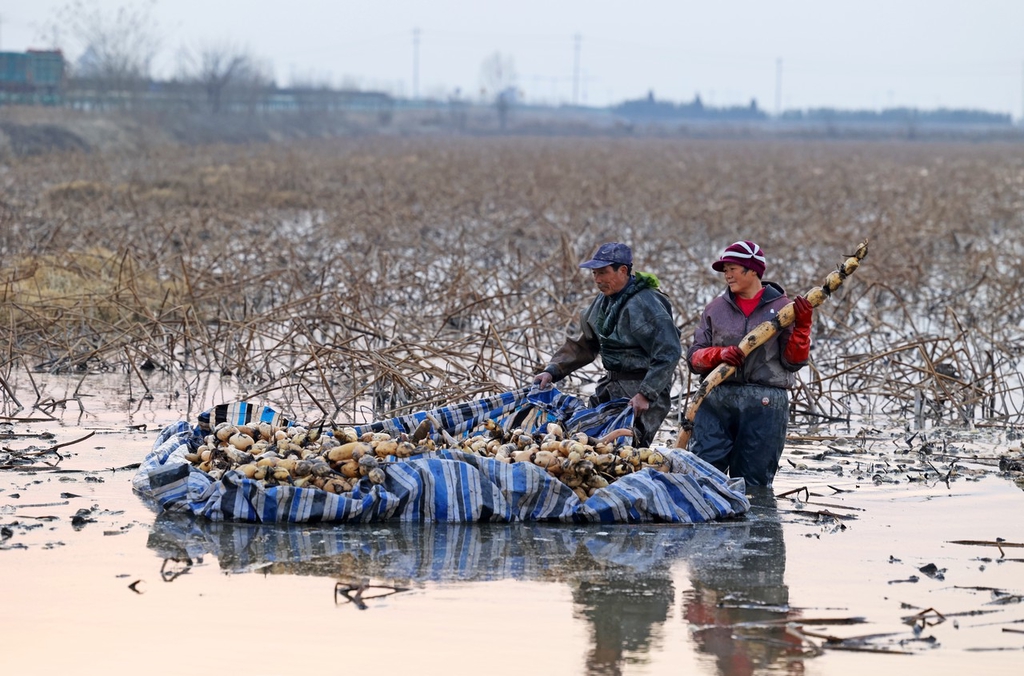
529, 409
448, 485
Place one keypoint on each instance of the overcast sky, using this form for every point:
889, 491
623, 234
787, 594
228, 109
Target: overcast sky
854, 54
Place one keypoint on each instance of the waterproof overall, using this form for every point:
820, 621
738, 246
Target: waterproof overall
638, 342
740, 426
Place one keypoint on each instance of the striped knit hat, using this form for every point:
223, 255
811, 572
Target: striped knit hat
744, 253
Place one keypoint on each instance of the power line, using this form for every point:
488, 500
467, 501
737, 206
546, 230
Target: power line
415, 63
576, 72
778, 87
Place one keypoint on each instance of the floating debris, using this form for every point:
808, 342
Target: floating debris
933, 571
359, 593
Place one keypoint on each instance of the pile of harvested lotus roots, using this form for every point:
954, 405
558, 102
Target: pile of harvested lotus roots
334, 458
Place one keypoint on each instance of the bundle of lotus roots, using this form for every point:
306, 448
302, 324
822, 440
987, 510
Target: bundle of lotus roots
333, 458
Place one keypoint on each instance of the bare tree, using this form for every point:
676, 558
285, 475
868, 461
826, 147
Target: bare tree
225, 71
116, 48
498, 80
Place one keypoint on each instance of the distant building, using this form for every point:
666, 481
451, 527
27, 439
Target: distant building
32, 77
650, 110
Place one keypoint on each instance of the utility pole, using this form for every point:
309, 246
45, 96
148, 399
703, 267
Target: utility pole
576, 71
415, 63
778, 88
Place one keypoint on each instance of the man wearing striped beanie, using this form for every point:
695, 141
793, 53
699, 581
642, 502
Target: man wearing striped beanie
740, 426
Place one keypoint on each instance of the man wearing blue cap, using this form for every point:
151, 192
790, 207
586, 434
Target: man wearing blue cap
630, 326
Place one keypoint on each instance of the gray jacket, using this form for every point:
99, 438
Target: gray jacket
634, 334
723, 323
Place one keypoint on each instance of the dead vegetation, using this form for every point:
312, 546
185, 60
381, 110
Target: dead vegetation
402, 274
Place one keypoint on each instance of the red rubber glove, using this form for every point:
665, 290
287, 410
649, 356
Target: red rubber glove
707, 358
798, 349
733, 356
802, 311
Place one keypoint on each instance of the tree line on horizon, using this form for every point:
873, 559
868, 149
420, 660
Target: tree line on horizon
118, 49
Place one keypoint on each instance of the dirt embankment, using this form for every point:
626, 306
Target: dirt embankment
37, 130
26, 131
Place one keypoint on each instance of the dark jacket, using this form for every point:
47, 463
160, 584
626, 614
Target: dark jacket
634, 334
723, 323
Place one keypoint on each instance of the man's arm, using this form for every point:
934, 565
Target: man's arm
578, 350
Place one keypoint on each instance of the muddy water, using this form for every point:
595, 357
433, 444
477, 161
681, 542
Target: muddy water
122, 588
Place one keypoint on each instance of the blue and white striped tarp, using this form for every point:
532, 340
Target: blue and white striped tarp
450, 485
527, 408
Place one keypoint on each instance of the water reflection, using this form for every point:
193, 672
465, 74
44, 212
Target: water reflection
621, 576
625, 614
738, 605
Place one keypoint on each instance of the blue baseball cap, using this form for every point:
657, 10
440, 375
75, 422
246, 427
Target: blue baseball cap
612, 253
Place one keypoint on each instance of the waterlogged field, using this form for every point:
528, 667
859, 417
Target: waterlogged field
362, 279
411, 271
